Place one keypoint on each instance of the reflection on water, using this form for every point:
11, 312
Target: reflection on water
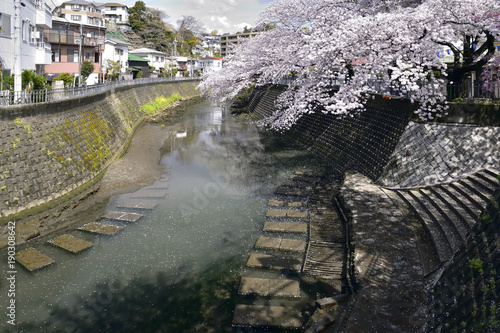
178, 268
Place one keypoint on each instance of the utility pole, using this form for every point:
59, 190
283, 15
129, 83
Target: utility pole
80, 56
17, 47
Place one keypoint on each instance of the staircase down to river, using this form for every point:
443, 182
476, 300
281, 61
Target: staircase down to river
448, 211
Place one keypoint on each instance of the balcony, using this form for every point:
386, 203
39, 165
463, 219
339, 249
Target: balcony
43, 53
43, 17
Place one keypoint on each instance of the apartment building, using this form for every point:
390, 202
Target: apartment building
228, 42
22, 45
77, 34
116, 15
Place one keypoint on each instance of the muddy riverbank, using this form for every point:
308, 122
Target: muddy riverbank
137, 168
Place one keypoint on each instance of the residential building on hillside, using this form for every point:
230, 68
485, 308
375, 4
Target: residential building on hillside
81, 12
116, 14
210, 63
209, 45
138, 64
228, 42
156, 58
72, 43
115, 50
27, 48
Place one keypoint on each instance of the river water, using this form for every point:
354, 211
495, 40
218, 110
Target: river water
178, 268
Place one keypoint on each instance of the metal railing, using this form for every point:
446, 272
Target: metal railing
8, 97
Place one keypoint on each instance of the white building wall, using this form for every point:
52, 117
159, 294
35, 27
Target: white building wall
111, 54
28, 35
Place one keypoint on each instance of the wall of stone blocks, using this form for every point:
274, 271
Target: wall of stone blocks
466, 297
48, 150
432, 153
362, 143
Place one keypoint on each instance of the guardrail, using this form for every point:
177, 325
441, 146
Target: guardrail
8, 97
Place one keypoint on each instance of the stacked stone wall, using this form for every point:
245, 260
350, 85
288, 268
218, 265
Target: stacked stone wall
362, 142
50, 150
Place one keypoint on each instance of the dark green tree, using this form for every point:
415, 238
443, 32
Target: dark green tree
30, 80
66, 78
87, 69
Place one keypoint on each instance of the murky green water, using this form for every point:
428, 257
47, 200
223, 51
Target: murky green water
178, 268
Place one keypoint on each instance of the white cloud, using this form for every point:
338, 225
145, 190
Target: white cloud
221, 15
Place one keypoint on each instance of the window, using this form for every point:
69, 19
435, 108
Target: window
157, 58
73, 55
76, 17
162, 59
88, 55
90, 20
76, 7
113, 8
56, 55
5, 25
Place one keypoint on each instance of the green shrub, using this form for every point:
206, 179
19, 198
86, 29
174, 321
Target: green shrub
159, 103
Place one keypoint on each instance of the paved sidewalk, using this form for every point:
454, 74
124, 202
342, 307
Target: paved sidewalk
387, 259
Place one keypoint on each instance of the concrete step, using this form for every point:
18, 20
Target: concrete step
275, 262
122, 216
32, 259
434, 230
138, 205
267, 315
471, 199
70, 243
281, 244
467, 217
444, 217
269, 287
291, 227
101, 228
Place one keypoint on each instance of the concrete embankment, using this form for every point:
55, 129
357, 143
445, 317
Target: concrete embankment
52, 152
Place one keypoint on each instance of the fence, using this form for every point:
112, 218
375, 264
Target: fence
8, 97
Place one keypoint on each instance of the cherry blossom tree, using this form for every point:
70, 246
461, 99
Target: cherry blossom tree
369, 46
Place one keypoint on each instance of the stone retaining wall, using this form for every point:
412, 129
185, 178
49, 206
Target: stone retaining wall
50, 150
384, 145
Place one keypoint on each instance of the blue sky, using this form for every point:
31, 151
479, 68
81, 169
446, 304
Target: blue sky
225, 16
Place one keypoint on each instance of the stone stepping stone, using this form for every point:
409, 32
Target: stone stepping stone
276, 203
32, 259
151, 194
283, 244
101, 228
138, 205
262, 260
276, 213
70, 243
291, 227
297, 204
269, 287
296, 214
267, 315
123, 216
291, 213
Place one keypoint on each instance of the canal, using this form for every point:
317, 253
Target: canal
178, 268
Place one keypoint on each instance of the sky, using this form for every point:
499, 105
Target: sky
225, 16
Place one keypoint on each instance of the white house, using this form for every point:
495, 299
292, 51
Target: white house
115, 50
156, 58
116, 13
22, 45
212, 63
81, 12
